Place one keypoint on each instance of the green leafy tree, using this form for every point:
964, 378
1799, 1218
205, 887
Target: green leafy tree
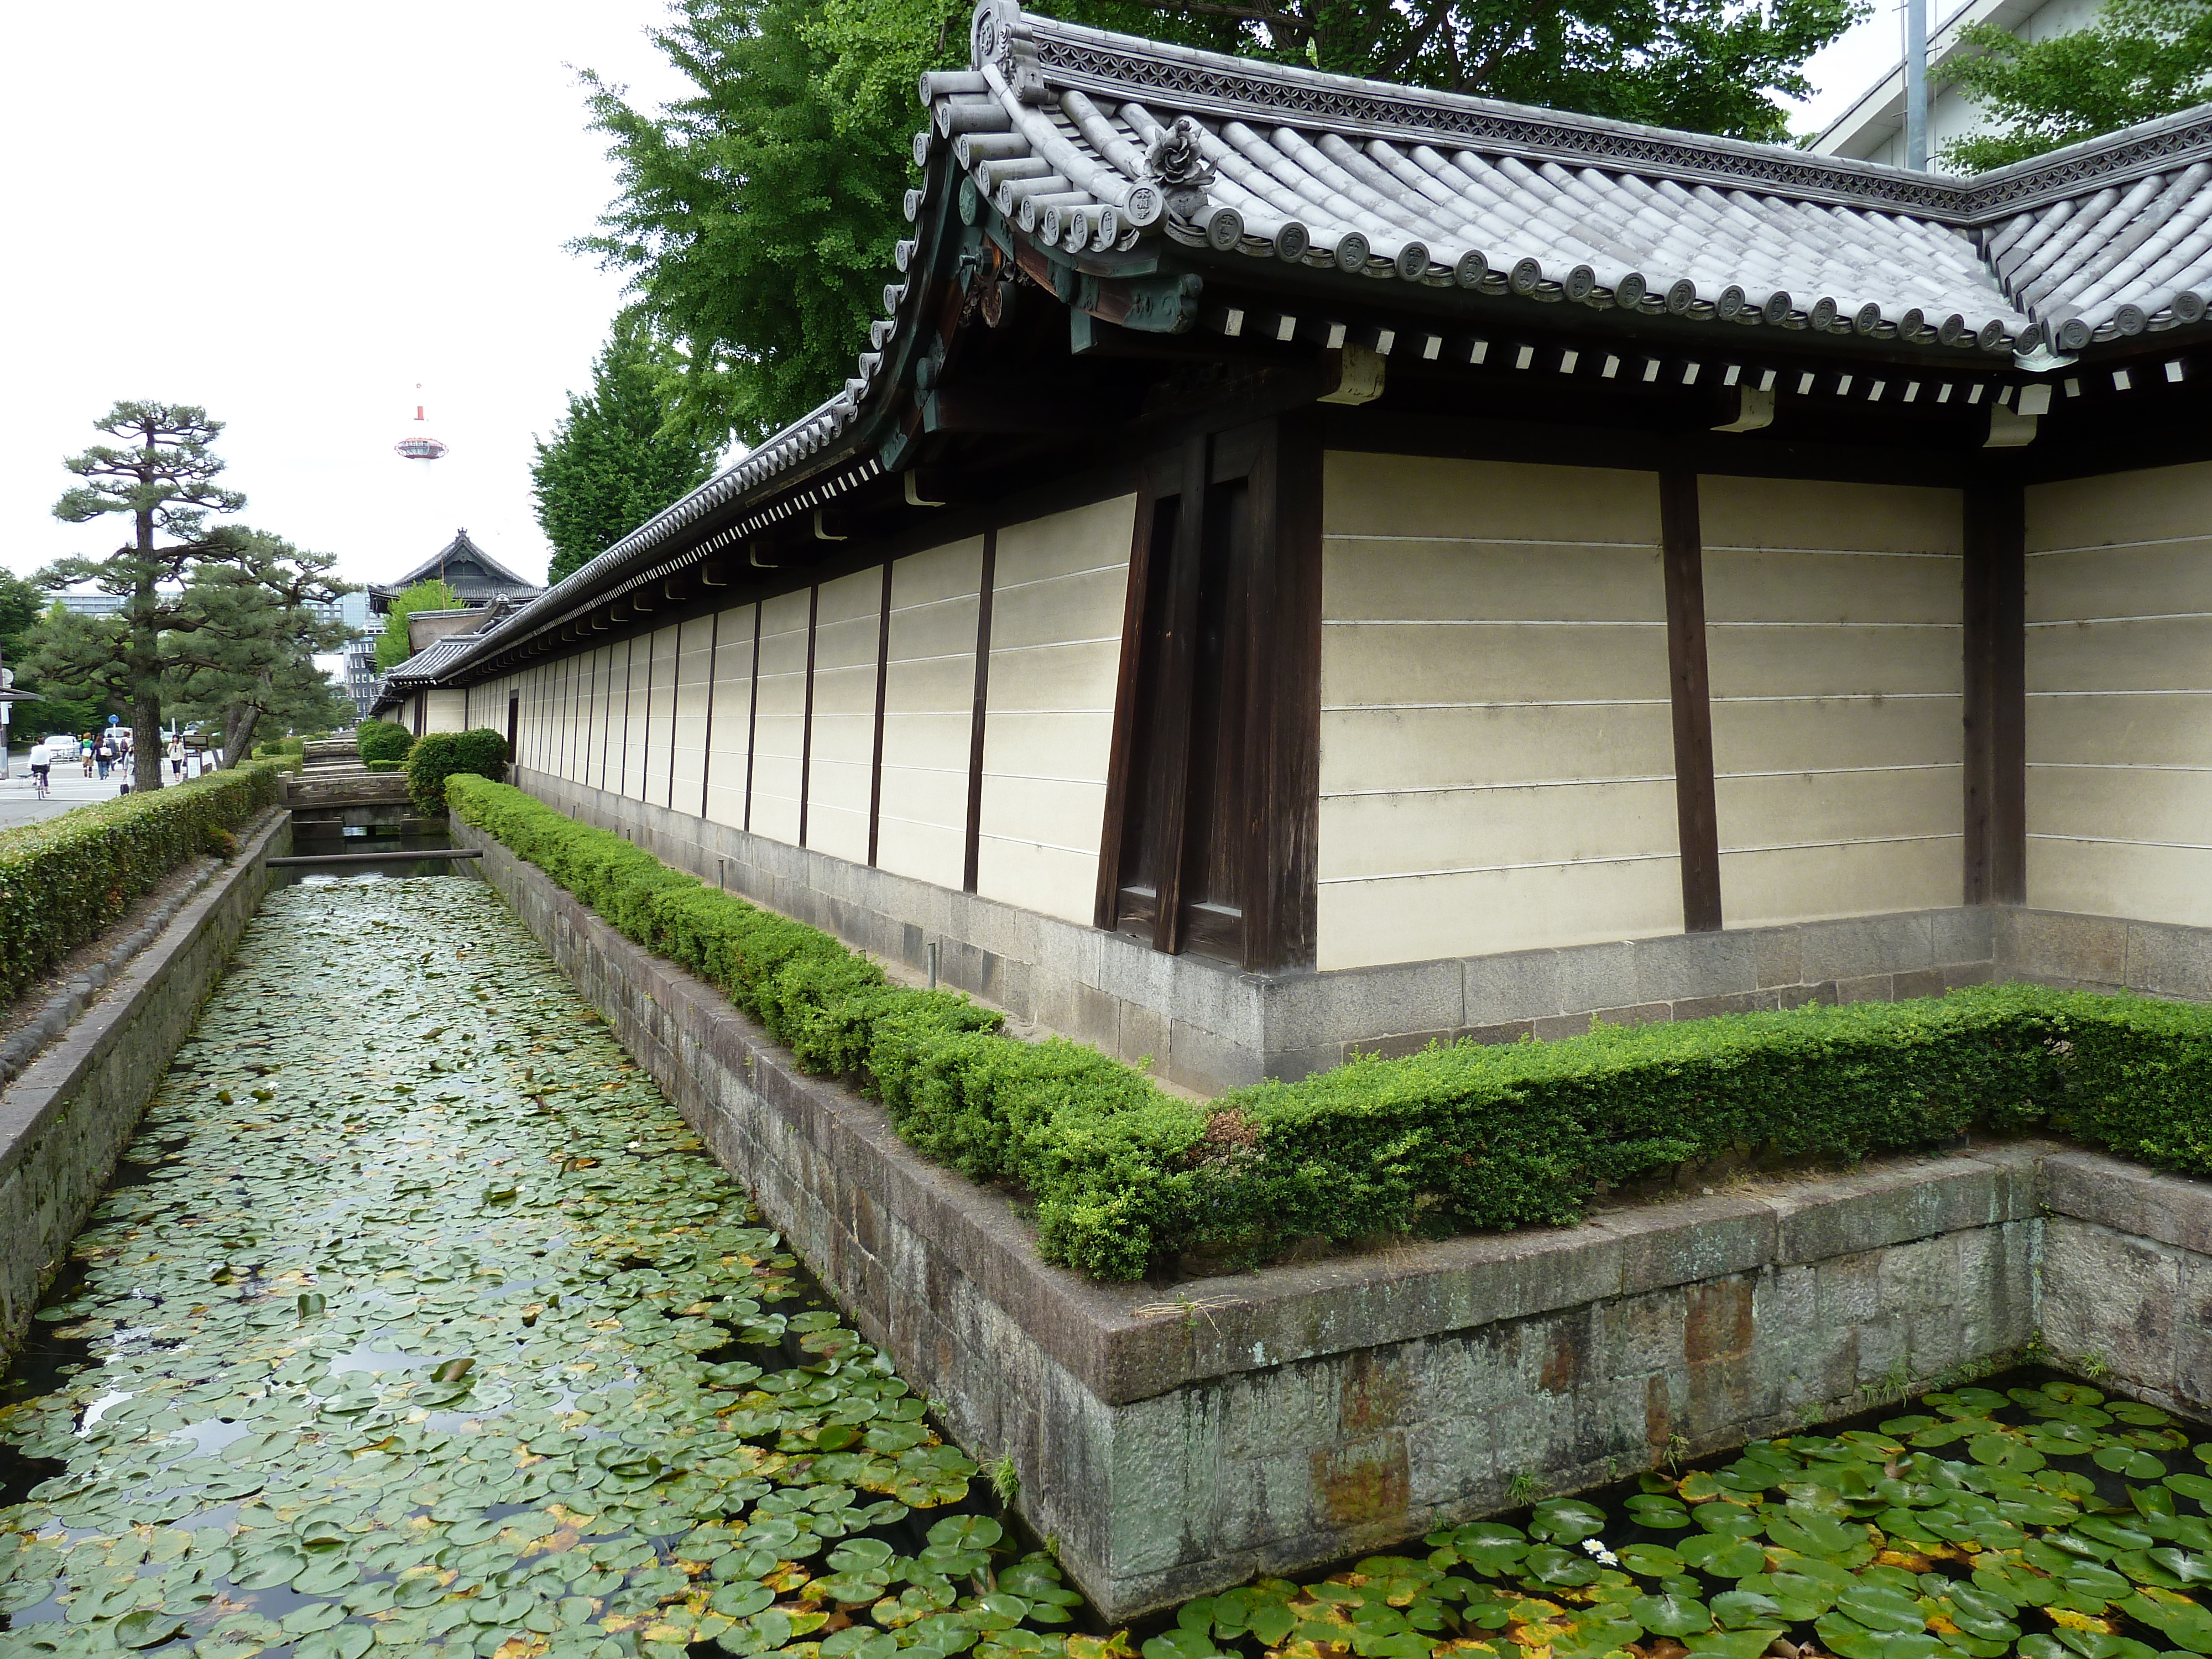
252, 660
756, 230
756, 216
160, 478
2139, 59
23, 609
391, 646
608, 467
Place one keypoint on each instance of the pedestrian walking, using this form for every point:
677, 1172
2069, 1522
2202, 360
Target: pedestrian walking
84, 752
106, 757
176, 757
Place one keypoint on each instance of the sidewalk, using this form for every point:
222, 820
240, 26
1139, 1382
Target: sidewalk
71, 788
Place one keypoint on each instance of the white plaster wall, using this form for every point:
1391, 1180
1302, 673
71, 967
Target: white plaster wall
694, 650
1834, 637
1497, 767
929, 697
659, 714
848, 630
2119, 695
1056, 606
445, 711
636, 657
599, 704
730, 743
780, 730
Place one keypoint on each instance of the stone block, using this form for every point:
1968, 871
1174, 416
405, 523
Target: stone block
1796, 996
1511, 1031
2125, 1197
1777, 957
1207, 1062
1680, 965
1292, 1064
1874, 988
1740, 1002
1919, 983
2111, 1296
1076, 1010
1562, 1025
2169, 961
1691, 1239
1597, 976
1641, 1014
1717, 1320
1860, 947
2051, 944
1144, 1035
2192, 1334
1516, 985
1305, 1011
1643, 1333
1967, 934
1397, 1047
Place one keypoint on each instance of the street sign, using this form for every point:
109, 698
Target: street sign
115, 720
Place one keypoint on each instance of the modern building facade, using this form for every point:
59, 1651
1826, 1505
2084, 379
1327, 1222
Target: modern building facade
1308, 565
1873, 128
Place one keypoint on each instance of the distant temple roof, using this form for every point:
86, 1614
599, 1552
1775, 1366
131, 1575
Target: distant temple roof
471, 572
1154, 189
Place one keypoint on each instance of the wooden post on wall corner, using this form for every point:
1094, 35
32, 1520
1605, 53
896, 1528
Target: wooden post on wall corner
1282, 804
1995, 685
1698, 820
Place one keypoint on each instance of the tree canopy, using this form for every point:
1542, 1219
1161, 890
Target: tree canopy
609, 466
2139, 59
756, 216
182, 580
391, 646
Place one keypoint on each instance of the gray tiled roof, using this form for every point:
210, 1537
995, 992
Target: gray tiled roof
1097, 144
424, 666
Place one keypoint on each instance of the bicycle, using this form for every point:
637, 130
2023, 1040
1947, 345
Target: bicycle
38, 781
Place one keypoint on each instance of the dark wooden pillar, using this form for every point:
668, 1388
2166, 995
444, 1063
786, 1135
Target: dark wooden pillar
807, 721
1282, 795
1995, 649
971, 857
1213, 802
1683, 557
876, 754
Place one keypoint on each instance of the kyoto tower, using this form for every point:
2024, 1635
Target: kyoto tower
419, 445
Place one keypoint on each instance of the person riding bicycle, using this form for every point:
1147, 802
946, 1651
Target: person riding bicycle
42, 763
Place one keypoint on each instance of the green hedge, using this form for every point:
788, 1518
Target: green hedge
1452, 1139
64, 879
383, 740
442, 755
275, 746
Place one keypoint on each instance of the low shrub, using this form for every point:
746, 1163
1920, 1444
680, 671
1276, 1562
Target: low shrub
64, 879
441, 755
383, 740
276, 747
1473, 1136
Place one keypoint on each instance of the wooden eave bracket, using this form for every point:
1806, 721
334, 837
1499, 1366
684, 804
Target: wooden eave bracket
1353, 375
2014, 428
1754, 408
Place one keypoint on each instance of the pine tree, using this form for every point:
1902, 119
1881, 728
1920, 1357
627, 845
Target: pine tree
161, 478
610, 466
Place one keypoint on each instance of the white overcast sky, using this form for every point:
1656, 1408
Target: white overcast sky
292, 214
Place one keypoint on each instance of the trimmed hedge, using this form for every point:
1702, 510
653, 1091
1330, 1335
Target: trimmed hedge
383, 740
1448, 1139
65, 879
442, 755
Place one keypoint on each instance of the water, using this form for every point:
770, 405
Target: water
416, 1318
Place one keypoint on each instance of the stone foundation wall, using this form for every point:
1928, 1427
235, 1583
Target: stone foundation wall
68, 1116
1209, 1026
2127, 1278
1178, 1438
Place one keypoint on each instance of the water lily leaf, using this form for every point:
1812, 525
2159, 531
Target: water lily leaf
967, 1532
1724, 1557
1735, 1519
1882, 1608
147, 1627
341, 1642
1550, 1564
1651, 1560
1566, 1519
1747, 1643
1490, 1547
1671, 1615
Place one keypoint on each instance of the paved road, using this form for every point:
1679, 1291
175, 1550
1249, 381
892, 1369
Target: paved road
71, 788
